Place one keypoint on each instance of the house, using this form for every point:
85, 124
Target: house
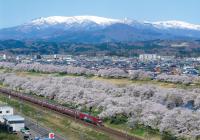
5, 111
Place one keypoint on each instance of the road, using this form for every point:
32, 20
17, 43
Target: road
37, 130
40, 131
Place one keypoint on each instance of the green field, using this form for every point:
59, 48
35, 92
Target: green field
8, 136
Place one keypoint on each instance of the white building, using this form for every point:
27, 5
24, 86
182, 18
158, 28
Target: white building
5, 111
167, 58
17, 58
14, 123
4, 57
55, 56
149, 57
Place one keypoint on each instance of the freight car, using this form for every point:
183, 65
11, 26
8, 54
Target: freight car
64, 110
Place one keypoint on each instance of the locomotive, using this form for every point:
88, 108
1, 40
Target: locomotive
90, 119
61, 109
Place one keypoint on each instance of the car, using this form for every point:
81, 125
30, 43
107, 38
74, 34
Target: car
26, 137
25, 130
27, 133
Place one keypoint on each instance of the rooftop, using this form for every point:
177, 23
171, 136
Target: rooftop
5, 107
13, 118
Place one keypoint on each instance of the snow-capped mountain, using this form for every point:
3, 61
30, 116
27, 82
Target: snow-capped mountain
100, 29
101, 21
73, 20
176, 25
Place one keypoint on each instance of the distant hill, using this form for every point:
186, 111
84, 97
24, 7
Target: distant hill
92, 29
162, 47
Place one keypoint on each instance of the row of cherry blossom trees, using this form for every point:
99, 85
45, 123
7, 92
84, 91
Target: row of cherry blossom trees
182, 79
50, 68
108, 73
170, 110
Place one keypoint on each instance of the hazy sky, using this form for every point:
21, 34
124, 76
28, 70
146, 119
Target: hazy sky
15, 12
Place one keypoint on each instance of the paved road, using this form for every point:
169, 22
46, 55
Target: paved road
38, 130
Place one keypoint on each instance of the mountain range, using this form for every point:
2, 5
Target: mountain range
93, 29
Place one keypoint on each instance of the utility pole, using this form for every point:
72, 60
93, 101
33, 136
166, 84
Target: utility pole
81, 136
20, 106
75, 115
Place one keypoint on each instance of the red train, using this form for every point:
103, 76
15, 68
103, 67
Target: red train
89, 118
64, 110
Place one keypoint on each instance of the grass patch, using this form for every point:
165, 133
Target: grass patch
125, 81
119, 82
116, 120
142, 131
119, 123
32, 74
138, 131
8, 136
64, 75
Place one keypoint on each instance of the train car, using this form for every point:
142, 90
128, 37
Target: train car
88, 118
70, 112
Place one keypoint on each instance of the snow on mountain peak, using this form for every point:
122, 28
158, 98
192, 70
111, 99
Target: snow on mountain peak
81, 20
176, 24
75, 19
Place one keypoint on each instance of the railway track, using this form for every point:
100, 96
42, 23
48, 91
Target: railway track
104, 129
